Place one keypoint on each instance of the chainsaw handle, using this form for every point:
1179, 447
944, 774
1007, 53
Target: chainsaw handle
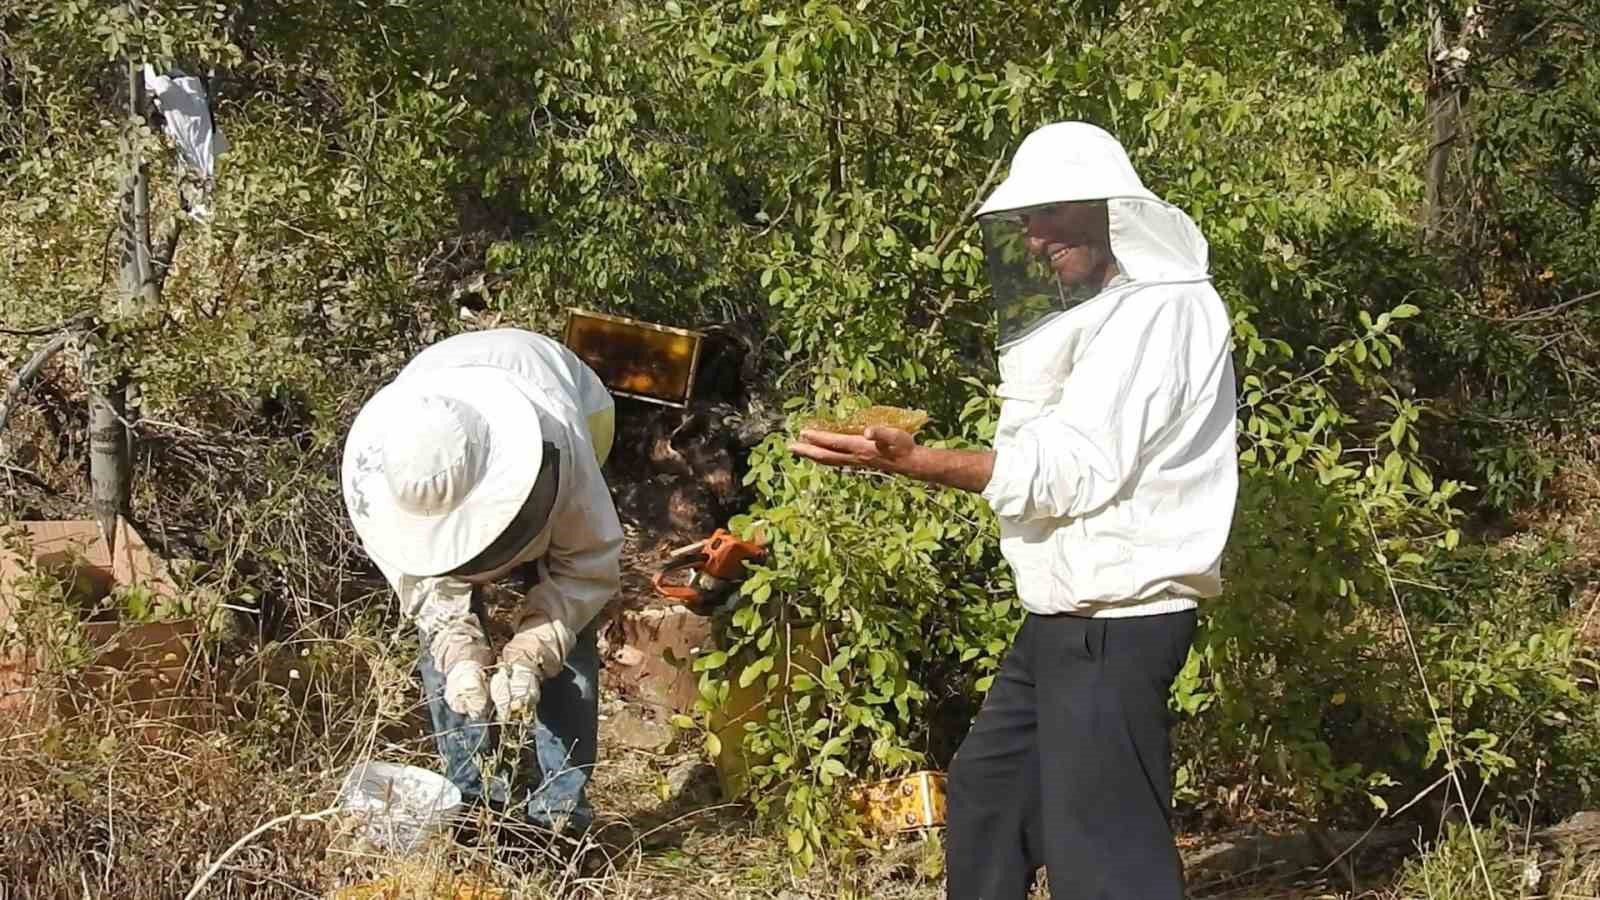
686, 560
688, 549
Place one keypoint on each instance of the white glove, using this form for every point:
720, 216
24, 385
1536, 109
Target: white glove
541, 643
515, 691
466, 689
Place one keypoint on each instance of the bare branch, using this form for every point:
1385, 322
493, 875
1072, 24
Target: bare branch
1549, 312
31, 371
960, 223
72, 324
200, 882
28, 475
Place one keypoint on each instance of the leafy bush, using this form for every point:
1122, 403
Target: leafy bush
812, 167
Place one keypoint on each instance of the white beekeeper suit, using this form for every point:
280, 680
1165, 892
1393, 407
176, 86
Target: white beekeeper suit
483, 454
1115, 469
1113, 478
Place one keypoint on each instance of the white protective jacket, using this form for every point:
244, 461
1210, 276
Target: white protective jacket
1116, 471
581, 546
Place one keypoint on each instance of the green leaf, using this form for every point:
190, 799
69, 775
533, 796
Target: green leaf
755, 670
682, 722
716, 659
713, 744
1421, 480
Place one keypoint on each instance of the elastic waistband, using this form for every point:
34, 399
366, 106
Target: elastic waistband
1155, 606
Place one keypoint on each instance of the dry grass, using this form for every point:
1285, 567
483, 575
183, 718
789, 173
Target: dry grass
101, 802
104, 803
109, 801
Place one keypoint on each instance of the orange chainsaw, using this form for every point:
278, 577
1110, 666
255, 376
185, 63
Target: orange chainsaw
715, 566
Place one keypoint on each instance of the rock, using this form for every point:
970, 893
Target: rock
637, 666
631, 728
692, 783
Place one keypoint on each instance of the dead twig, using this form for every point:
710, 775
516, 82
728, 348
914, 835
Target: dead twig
261, 829
28, 475
1452, 767
1420, 795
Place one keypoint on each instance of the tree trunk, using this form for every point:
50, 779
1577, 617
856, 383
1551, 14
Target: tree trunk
110, 456
110, 462
1447, 99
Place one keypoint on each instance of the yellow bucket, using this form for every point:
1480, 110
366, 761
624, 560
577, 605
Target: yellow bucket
802, 650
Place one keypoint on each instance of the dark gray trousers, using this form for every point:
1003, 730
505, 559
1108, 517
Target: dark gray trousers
1068, 765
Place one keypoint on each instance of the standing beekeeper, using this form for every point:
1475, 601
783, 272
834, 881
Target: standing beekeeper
480, 463
1113, 476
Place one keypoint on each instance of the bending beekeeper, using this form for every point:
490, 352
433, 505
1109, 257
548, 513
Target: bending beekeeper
1113, 475
480, 463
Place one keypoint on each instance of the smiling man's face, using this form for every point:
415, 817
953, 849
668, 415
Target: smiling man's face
1074, 239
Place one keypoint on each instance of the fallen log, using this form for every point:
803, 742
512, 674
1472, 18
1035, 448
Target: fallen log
1578, 834
1283, 853
1279, 854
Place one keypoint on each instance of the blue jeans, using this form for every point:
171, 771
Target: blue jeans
554, 757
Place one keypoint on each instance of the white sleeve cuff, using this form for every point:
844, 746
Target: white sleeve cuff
1010, 486
543, 638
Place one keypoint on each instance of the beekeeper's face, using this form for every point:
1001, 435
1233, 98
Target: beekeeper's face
1073, 238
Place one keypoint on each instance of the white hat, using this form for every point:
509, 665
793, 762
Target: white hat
438, 463
1065, 162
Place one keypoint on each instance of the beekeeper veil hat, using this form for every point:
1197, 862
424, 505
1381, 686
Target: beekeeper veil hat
439, 465
1066, 172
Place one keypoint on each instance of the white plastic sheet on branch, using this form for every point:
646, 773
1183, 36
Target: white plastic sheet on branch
186, 113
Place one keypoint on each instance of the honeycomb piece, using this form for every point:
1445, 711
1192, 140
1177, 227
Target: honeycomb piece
907, 420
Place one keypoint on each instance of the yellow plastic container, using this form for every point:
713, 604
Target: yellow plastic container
908, 803
806, 652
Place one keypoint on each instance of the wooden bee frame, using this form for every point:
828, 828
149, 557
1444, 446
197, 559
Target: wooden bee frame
641, 360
